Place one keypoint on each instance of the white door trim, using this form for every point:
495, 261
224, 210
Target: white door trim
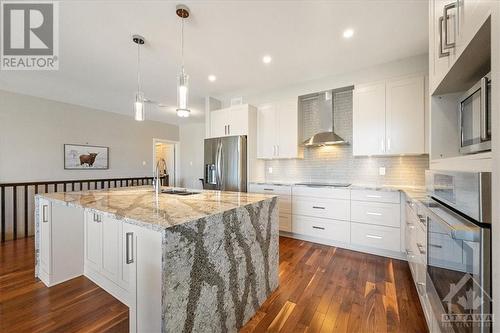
176, 181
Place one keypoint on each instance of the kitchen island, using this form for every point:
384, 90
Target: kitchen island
182, 263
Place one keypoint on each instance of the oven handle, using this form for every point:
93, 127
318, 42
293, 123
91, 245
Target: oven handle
484, 109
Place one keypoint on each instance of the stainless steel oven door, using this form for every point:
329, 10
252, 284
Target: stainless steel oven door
458, 280
475, 118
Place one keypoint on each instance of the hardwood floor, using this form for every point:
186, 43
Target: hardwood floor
26, 305
322, 289
327, 289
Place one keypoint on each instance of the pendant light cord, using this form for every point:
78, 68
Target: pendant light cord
138, 67
182, 43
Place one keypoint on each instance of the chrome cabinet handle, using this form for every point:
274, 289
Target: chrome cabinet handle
268, 189
320, 228
373, 236
421, 248
318, 207
44, 213
436, 246
374, 214
419, 286
229, 129
445, 18
97, 218
484, 109
129, 246
442, 54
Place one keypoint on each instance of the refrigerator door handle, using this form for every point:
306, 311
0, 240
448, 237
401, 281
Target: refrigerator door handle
218, 163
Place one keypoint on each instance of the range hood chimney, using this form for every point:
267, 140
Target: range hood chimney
325, 135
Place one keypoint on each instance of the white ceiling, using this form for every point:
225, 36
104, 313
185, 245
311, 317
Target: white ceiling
225, 38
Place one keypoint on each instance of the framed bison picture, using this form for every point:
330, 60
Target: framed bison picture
84, 157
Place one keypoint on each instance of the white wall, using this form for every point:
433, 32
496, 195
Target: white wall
192, 138
34, 130
417, 64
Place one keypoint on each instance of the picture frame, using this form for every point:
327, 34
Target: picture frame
85, 157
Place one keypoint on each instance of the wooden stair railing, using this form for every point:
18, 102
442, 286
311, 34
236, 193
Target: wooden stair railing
19, 197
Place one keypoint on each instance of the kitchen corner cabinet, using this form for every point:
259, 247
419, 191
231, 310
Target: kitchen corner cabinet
389, 117
230, 121
278, 130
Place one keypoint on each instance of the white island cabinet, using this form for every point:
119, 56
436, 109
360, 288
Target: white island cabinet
126, 261
155, 253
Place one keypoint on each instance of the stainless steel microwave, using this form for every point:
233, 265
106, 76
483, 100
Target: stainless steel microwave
475, 118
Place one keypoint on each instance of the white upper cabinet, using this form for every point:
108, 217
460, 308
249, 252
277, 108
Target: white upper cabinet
278, 130
369, 119
389, 117
452, 25
405, 116
230, 121
266, 131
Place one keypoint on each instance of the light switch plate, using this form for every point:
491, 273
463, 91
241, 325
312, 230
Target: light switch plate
381, 171
270, 170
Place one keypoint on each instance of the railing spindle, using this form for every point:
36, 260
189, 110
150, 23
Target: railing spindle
26, 210
14, 211
2, 215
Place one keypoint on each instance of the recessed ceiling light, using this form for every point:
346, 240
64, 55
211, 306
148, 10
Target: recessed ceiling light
348, 33
212, 78
267, 59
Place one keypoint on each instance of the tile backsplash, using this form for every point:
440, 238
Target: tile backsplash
337, 164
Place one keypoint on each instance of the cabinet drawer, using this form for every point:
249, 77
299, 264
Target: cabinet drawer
285, 204
387, 214
385, 238
270, 189
285, 222
376, 196
322, 192
333, 230
324, 208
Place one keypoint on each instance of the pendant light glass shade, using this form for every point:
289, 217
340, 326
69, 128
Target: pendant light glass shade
183, 95
183, 79
139, 106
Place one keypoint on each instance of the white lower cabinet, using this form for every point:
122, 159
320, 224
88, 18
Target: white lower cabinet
60, 243
325, 208
327, 229
375, 236
385, 214
284, 193
125, 260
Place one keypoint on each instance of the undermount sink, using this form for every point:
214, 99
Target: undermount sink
178, 192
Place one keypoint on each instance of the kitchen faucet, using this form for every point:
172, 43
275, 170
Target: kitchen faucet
156, 177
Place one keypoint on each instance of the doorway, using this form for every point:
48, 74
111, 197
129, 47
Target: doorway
167, 150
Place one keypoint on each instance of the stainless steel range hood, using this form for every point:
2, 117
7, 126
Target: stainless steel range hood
325, 134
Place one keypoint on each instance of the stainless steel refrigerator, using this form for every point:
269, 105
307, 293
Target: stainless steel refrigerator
226, 164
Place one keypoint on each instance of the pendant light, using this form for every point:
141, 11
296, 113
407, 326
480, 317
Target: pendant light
183, 79
139, 104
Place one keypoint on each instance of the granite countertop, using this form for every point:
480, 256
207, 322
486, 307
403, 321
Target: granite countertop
138, 205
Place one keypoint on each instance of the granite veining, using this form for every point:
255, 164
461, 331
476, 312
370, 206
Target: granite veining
231, 261
139, 205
